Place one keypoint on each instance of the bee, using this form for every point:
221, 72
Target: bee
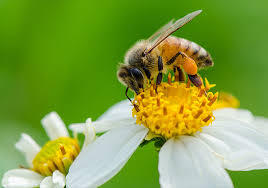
149, 59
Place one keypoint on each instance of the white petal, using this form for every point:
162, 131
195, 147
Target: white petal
102, 125
21, 178
77, 127
187, 162
47, 183
246, 160
115, 116
238, 135
54, 126
28, 147
219, 148
106, 125
241, 139
90, 134
261, 124
105, 157
241, 160
58, 179
120, 110
233, 113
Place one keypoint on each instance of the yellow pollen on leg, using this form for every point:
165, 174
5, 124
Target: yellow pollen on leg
57, 154
176, 109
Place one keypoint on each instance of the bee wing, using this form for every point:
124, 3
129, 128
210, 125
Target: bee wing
160, 31
168, 29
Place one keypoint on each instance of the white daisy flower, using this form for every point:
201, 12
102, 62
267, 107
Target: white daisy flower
48, 166
196, 140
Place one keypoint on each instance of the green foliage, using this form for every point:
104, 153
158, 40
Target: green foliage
158, 142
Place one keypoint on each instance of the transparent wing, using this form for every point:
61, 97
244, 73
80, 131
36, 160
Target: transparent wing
160, 31
168, 29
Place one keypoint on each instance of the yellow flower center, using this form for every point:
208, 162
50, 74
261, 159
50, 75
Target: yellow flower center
175, 109
57, 154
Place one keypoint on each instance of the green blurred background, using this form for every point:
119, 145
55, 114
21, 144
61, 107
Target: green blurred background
63, 55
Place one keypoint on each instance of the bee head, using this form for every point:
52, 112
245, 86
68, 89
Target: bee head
131, 77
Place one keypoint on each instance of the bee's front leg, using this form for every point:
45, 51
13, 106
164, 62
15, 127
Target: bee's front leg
135, 105
160, 74
127, 94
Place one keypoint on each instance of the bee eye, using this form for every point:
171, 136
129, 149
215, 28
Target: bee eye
143, 54
136, 73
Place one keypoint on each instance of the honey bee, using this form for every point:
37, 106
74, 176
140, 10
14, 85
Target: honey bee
149, 59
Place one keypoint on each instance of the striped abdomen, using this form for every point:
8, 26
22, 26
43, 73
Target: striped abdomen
172, 45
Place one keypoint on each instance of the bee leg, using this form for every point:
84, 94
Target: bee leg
173, 59
196, 80
127, 95
189, 67
179, 74
160, 74
147, 72
158, 80
135, 105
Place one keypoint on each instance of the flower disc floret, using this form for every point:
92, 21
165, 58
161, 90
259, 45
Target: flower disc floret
57, 154
174, 109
